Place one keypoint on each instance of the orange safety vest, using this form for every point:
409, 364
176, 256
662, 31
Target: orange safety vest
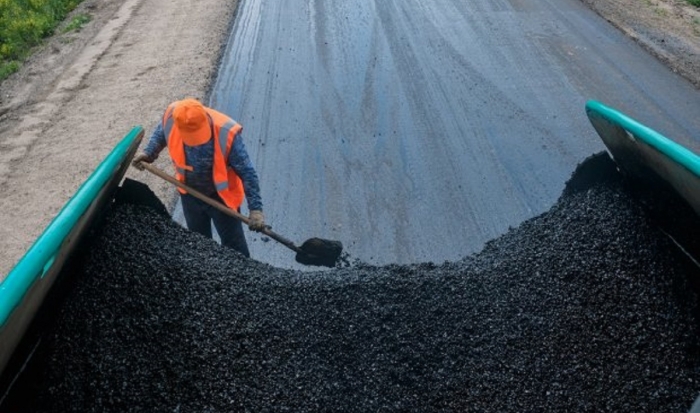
224, 131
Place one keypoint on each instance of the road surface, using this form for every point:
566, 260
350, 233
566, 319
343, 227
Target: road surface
416, 131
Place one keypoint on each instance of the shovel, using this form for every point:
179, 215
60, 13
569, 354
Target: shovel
314, 251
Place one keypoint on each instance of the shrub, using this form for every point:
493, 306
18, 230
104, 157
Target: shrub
6, 69
76, 23
23, 25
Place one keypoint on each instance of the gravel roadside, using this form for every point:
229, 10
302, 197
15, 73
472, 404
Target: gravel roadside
81, 93
668, 29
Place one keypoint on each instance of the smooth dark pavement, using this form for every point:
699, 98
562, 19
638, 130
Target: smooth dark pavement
416, 131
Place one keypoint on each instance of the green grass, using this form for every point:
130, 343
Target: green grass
24, 24
76, 23
8, 68
695, 3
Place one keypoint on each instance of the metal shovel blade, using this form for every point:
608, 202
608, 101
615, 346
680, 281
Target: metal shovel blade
319, 252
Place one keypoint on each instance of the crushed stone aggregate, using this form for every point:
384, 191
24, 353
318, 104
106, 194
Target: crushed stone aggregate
585, 308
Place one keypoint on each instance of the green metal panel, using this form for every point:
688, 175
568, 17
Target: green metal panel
646, 156
678, 153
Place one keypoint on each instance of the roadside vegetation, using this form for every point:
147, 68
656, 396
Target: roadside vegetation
76, 23
25, 23
695, 3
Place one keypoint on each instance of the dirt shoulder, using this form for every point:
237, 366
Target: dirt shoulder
83, 92
668, 29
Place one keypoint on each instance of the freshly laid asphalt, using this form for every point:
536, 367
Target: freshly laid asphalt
416, 131
587, 307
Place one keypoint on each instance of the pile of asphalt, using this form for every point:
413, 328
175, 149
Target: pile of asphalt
585, 308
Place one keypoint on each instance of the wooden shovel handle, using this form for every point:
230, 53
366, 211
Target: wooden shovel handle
218, 205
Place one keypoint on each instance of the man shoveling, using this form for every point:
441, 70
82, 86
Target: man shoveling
209, 156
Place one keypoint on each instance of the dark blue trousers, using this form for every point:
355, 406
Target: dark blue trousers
200, 215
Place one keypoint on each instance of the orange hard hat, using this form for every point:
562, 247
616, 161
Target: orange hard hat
191, 122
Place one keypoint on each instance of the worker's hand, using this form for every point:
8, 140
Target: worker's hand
141, 158
256, 220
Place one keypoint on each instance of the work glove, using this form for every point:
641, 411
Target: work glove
141, 158
256, 220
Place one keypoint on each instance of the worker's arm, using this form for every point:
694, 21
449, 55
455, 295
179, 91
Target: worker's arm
156, 143
154, 147
239, 160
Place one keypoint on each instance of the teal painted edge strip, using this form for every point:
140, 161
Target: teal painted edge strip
41, 254
678, 153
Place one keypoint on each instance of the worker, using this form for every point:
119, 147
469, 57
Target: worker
207, 150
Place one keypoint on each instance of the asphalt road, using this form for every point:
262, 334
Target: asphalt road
416, 131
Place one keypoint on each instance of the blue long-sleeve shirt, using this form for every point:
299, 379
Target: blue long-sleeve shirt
201, 159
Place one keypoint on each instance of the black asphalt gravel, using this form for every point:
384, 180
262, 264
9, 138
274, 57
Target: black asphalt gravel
586, 308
